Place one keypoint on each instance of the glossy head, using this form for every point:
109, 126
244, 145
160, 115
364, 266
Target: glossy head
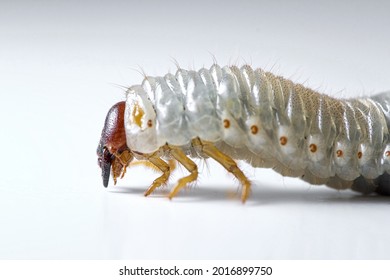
112, 150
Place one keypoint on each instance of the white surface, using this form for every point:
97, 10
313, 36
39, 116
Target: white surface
62, 65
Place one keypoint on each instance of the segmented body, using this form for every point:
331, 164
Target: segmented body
266, 120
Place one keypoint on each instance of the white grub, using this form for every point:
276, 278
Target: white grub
267, 121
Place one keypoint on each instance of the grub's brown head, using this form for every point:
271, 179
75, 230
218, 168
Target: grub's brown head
112, 150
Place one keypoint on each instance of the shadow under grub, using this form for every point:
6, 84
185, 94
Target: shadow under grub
260, 194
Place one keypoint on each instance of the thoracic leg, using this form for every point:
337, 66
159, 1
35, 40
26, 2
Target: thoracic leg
164, 167
148, 164
189, 165
227, 162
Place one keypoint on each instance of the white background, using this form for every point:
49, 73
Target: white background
62, 66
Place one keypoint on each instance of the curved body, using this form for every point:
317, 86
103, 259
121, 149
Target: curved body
266, 120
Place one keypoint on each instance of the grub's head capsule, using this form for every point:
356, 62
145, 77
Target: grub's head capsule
112, 150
